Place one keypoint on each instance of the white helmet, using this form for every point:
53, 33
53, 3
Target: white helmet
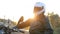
39, 6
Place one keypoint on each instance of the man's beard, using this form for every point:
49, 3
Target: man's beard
39, 12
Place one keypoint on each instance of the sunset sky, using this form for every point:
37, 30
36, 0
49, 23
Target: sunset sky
14, 9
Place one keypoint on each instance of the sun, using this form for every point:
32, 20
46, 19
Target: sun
27, 16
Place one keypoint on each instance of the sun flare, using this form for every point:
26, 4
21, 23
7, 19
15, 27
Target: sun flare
27, 16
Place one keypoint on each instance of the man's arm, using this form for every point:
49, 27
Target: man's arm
24, 24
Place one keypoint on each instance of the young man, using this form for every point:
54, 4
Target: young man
40, 23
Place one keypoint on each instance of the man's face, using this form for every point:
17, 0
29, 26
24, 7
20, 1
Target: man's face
37, 10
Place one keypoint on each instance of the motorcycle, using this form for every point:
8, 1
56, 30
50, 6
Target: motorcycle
7, 30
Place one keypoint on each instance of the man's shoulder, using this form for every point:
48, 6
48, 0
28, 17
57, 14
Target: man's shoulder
46, 17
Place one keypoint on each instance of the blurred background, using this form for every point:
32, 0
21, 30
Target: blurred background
12, 10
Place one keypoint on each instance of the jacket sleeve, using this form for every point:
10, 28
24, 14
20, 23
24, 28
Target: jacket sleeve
24, 24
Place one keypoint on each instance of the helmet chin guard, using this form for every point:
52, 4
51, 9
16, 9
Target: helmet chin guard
39, 12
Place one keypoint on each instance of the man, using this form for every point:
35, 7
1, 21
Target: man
40, 23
